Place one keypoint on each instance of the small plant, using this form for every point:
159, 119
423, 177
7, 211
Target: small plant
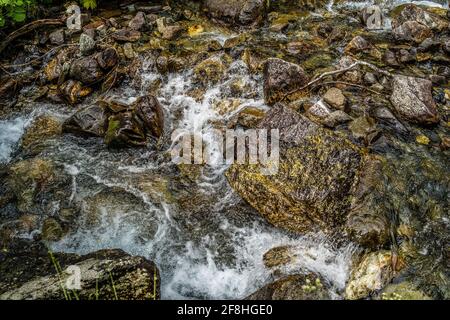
14, 10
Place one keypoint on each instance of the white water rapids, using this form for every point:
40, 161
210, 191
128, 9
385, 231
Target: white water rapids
214, 257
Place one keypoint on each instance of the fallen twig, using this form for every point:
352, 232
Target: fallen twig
27, 28
349, 84
330, 73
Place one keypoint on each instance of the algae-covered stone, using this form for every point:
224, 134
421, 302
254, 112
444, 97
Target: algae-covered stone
373, 273
296, 287
42, 128
315, 174
211, 70
28, 177
403, 291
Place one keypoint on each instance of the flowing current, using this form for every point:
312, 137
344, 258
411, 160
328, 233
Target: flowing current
207, 243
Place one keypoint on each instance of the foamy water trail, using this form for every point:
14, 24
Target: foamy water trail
218, 255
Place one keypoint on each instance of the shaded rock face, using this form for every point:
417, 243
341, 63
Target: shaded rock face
121, 125
316, 171
105, 275
92, 69
90, 121
241, 12
281, 77
412, 100
132, 126
367, 222
296, 287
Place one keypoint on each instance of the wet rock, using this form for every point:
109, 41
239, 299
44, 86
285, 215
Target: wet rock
403, 291
90, 121
126, 35
367, 222
138, 22
8, 87
55, 67
363, 128
149, 110
124, 130
280, 78
131, 126
416, 14
446, 46
243, 12
370, 78
413, 101
335, 98
318, 112
87, 44
42, 128
87, 70
57, 37
211, 70
387, 119
412, 31
250, 117
390, 58
336, 118
373, 273
360, 45
128, 51
296, 287
172, 32
73, 91
279, 256
106, 275
296, 198
108, 58
405, 56
28, 177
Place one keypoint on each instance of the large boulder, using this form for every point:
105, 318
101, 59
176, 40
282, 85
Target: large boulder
412, 31
316, 171
280, 78
296, 287
322, 181
31, 273
413, 101
241, 12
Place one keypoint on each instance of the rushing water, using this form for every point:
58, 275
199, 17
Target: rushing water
215, 252
204, 239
